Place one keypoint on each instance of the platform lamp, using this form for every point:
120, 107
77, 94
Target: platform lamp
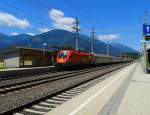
44, 44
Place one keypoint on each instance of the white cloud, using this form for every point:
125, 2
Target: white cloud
12, 21
60, 21
109, 37
14, 33
42, 30
31, 34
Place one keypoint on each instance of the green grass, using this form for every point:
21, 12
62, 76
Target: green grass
2, 68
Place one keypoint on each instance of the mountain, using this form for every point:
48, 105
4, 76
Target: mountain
61, 38
54, 38
122, 48
4, 40
22, 39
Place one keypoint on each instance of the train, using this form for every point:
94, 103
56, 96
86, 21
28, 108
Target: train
70, 58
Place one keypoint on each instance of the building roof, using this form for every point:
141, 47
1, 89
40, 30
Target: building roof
17, 48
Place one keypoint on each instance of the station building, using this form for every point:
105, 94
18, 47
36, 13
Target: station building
16, 56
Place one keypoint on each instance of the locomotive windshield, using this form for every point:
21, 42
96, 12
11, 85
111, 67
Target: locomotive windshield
62, 54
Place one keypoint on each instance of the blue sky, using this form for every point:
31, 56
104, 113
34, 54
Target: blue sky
114, 20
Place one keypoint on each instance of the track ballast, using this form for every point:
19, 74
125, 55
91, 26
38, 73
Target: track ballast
20, 96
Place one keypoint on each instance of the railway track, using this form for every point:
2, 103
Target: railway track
60, 80
26, 75
4, 75
26, 72
54, 101
9, 87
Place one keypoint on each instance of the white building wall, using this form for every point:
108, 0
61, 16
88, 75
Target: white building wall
11, 62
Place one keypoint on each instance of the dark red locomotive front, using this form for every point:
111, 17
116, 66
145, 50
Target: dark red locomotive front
67, 58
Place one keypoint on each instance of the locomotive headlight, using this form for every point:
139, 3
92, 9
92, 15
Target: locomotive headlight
61, 60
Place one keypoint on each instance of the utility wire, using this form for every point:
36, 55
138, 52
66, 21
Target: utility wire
78, 11
87, 14
36, 3
42, 5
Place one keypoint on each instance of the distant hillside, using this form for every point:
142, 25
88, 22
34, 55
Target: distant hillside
61, 38
122, 48
22, 39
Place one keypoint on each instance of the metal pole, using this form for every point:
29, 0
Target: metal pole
145, 17
77, 33
107, 48
93, 36
43, 54
145, 22
141, 37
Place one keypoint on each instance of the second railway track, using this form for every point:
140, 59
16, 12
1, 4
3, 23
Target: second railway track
13, 85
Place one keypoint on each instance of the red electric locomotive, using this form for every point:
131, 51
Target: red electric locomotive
66, 58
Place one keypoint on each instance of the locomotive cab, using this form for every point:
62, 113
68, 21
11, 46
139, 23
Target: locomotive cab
62, 57
71, 58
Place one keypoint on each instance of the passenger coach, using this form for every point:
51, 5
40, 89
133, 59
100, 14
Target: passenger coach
67, 58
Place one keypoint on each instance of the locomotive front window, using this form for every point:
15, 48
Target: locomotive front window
62, 55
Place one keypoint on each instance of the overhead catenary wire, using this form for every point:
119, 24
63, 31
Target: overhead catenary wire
46, 10
87, 14
83, 13
78, 11
43, 10
37, 20
36, 3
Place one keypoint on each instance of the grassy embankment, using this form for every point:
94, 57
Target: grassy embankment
2, 68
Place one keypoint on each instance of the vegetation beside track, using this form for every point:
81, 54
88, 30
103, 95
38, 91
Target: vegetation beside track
1, 68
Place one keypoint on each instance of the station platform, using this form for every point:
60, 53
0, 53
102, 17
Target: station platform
126, 92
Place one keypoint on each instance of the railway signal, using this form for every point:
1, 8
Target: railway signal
146, 29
